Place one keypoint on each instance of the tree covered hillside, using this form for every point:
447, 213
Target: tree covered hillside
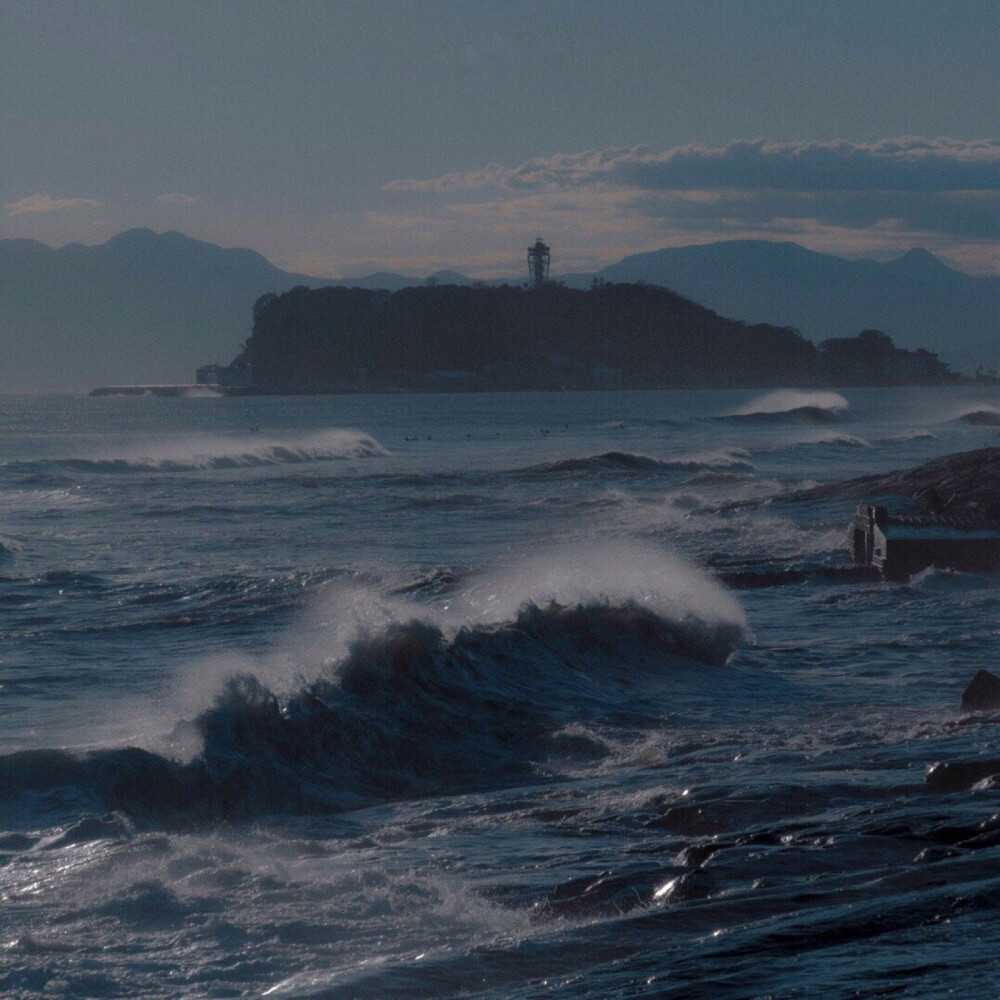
614, 335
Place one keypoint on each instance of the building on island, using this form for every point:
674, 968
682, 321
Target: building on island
539, 256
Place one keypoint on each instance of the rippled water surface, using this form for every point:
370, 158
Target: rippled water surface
512, 695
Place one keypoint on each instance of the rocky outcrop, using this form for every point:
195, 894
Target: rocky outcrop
963, 485
982, 694
960, 775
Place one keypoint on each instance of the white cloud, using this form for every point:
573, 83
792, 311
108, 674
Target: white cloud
940, 193
910, 163
36, 203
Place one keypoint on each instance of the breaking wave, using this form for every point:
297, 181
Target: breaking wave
628, 463
234, 452
980, 416
792, 406
7, 549
413, 707
711, 477
407, 713
914, 435
830, 439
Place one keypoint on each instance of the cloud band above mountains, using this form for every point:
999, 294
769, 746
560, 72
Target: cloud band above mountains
597, 206
839, 196
906, 164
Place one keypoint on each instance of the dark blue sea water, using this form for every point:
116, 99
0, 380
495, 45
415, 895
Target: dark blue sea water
520, 695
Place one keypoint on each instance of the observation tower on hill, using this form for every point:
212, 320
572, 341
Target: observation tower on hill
538, 263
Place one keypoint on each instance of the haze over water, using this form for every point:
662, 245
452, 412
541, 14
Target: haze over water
483, 695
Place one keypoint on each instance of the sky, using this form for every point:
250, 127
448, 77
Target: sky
340, 138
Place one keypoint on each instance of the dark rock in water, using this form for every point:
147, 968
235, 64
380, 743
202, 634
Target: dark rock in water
692, 885
696, 855
959, 776
114, 826
982, 694
963, 485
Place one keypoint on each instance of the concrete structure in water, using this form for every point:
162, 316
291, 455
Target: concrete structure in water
900, 545
232, 376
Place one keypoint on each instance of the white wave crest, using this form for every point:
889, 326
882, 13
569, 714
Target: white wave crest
244, 451
830, 438
789, 400
717, 460
615, 573
917, 434
982, 415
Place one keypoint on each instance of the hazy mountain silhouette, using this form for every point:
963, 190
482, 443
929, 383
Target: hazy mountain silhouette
147, 307
917, 299
140, 308
392, 282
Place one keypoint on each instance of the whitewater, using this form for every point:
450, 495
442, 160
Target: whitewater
514, 695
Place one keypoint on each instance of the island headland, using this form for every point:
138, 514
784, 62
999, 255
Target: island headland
611, 336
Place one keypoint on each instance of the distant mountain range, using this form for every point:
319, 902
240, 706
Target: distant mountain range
149, 308
916, 299
140, 308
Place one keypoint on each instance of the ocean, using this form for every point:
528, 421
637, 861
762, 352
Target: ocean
514, 695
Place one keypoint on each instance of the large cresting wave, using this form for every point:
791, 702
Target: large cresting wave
792, 406
979, 416
471, 695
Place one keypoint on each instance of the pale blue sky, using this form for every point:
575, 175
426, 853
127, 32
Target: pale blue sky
292, 127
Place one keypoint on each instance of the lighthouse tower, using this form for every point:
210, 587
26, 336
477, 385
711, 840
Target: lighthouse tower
538, 264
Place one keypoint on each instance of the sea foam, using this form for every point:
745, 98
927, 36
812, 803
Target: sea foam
230, 452
406, 699
793, 405
614, 574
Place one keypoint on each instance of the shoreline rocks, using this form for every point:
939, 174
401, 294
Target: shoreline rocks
965, 484
982, 693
